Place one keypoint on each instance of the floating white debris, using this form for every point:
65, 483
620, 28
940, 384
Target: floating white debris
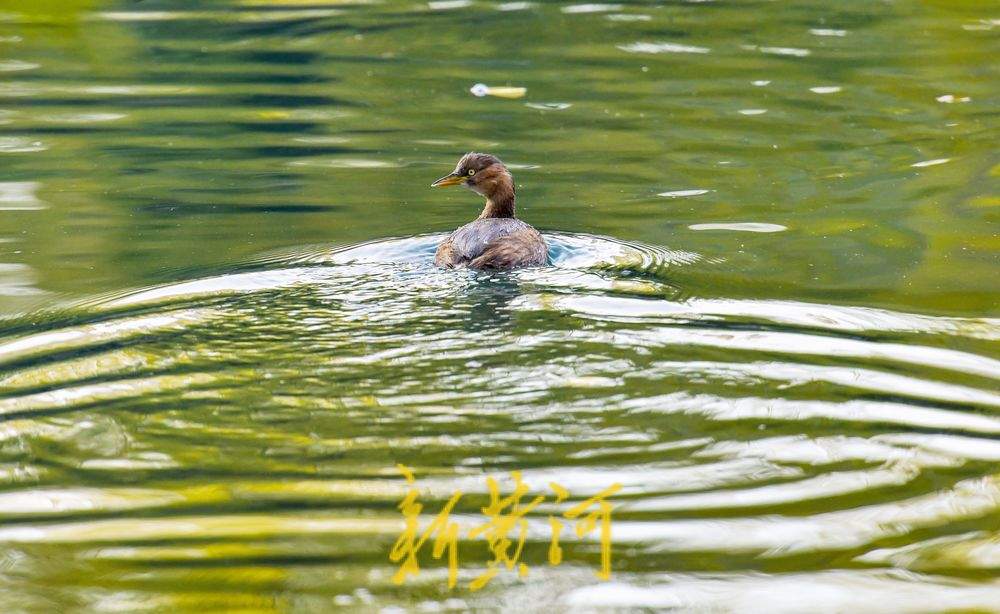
16, 65
983, 25
792, 51
85, 118
343, 163
132, 90
934, 162
481, 89
514, 6
447, 5
752, 111
950, 99
144, 15
760, 83
590, 8
435, 142
20, 144
285, 15
662, 48
548, 106
239, 15
19, 196
627, 17
825, 89
741, 227
682, 193
827, 32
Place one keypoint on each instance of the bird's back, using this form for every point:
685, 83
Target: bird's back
493, 243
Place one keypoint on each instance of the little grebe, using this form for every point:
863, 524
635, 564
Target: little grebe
496, 239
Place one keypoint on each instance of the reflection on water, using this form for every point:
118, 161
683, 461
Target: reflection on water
771, 315
245, 424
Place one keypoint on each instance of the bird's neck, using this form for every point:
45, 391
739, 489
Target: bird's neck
500, 203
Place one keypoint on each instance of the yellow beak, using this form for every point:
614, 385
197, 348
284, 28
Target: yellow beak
447, 180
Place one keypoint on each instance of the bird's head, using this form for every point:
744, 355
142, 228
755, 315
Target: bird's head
482, 173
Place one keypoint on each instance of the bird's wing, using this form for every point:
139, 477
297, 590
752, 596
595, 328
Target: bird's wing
447, 256
520, 248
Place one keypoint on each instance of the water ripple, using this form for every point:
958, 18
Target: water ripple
706, 410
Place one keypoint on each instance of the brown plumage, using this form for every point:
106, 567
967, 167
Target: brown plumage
496, 239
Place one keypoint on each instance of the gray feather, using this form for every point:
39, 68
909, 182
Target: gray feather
493, 235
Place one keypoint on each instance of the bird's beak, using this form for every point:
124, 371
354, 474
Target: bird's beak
447, 180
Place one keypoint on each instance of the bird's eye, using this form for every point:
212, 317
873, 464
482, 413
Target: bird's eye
472, 172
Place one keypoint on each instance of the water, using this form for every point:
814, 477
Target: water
771, 315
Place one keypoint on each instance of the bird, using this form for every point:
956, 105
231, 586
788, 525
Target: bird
497, 239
